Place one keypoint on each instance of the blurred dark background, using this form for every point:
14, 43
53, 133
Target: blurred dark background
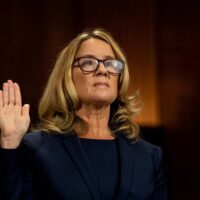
161, 41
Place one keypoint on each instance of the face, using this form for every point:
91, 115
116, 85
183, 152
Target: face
97, 87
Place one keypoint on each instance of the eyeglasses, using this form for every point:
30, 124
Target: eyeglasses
88, 64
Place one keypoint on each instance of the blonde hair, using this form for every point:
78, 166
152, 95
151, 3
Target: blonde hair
60, 100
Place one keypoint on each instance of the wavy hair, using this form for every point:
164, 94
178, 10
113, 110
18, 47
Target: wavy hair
60, 99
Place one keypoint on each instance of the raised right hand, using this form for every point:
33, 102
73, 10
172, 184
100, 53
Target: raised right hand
14, 118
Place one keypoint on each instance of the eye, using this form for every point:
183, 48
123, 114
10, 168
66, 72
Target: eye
85, 62
108, 63
88, 62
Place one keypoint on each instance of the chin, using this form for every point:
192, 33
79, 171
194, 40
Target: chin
104, 100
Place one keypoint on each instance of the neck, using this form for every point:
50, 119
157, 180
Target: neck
93, 122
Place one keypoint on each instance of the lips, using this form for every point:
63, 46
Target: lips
101, 84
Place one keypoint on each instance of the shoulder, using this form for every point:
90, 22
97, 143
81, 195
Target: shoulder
145, 155
142, 147
147, 146
39, 139
36, 136
149, 152
144, 150
141, 144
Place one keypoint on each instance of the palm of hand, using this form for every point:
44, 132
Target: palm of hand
14, 118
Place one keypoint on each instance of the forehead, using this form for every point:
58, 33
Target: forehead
95, 47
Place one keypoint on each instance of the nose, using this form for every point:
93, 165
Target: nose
101, 69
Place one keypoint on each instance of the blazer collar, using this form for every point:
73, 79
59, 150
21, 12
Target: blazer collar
126, 159
73, 146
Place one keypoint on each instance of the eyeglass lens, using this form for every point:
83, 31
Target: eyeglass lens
90, 64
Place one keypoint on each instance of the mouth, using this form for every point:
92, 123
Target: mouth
103, 84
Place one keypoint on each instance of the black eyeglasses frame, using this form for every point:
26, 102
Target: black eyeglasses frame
99, 61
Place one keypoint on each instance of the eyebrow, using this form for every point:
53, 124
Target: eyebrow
93, 56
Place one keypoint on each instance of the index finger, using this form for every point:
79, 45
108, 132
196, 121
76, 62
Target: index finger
18, 97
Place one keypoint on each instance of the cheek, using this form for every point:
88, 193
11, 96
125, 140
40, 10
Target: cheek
115, 85
81, 84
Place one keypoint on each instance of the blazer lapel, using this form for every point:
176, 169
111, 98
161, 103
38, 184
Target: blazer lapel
73, 146
126, 158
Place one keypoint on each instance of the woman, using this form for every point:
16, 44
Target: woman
86, 146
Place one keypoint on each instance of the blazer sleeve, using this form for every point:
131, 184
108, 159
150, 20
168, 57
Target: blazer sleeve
160, 190
15, 178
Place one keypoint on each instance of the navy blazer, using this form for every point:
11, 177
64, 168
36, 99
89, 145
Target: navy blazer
55, 167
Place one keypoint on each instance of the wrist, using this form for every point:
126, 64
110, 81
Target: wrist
10, 142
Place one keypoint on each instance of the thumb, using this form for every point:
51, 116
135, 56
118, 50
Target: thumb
25, 110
